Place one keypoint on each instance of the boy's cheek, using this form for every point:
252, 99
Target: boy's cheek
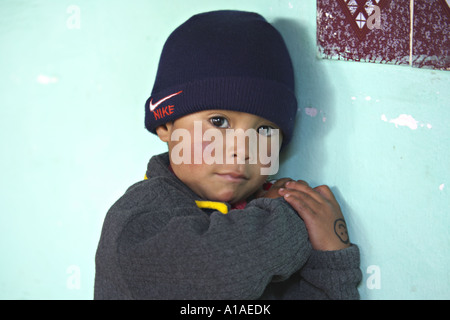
192, 150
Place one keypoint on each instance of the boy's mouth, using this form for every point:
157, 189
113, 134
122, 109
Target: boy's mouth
232, 176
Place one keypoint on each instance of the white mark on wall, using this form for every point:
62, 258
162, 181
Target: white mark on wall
291, 5
74, 279
441, 187
405, 120
367, 98
44, 79
374, 280
312, 112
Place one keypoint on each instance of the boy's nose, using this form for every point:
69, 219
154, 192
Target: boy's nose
238, 154
239, 149
241, 156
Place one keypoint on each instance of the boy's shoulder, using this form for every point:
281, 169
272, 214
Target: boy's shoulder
160, 187
146, 205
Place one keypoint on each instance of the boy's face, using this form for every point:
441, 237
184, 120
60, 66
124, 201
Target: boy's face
206, 155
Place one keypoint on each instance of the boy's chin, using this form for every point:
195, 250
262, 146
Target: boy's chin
229, 197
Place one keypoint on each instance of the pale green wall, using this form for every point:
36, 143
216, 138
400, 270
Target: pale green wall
73, 139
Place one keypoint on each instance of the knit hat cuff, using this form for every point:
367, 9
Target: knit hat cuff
270, 100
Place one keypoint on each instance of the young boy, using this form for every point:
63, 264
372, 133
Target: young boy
204, 224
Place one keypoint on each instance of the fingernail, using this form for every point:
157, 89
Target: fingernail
281, 189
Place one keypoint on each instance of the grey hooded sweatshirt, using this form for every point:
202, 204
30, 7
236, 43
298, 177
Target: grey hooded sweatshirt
156, 243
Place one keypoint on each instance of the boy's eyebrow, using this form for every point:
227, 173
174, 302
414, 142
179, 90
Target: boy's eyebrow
217, 112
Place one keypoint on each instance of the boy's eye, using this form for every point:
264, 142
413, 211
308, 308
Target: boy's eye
266, 131
219, 122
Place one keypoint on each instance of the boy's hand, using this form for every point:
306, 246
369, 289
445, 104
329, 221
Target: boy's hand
321, 213
273, 191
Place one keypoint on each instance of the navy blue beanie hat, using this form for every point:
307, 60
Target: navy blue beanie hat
230, 60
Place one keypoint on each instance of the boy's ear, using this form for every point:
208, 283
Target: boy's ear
164, 131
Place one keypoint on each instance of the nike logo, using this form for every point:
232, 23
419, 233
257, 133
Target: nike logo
154, 106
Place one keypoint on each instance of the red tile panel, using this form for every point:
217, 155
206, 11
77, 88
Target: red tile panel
431, 35
361, 30
385, 31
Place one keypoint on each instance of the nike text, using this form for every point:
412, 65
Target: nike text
162, 112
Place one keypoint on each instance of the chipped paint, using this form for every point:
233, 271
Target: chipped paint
312, 112
405, 120
43, 79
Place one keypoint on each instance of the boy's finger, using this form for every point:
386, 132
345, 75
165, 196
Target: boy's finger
326, 192
303, 186
302, 197
303, 182
281, 182
302, 208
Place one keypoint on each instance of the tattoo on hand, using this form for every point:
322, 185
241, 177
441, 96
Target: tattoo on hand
340, 228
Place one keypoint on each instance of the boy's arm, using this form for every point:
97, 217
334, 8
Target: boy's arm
179, 252
333, 268
326, 275
332, 274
